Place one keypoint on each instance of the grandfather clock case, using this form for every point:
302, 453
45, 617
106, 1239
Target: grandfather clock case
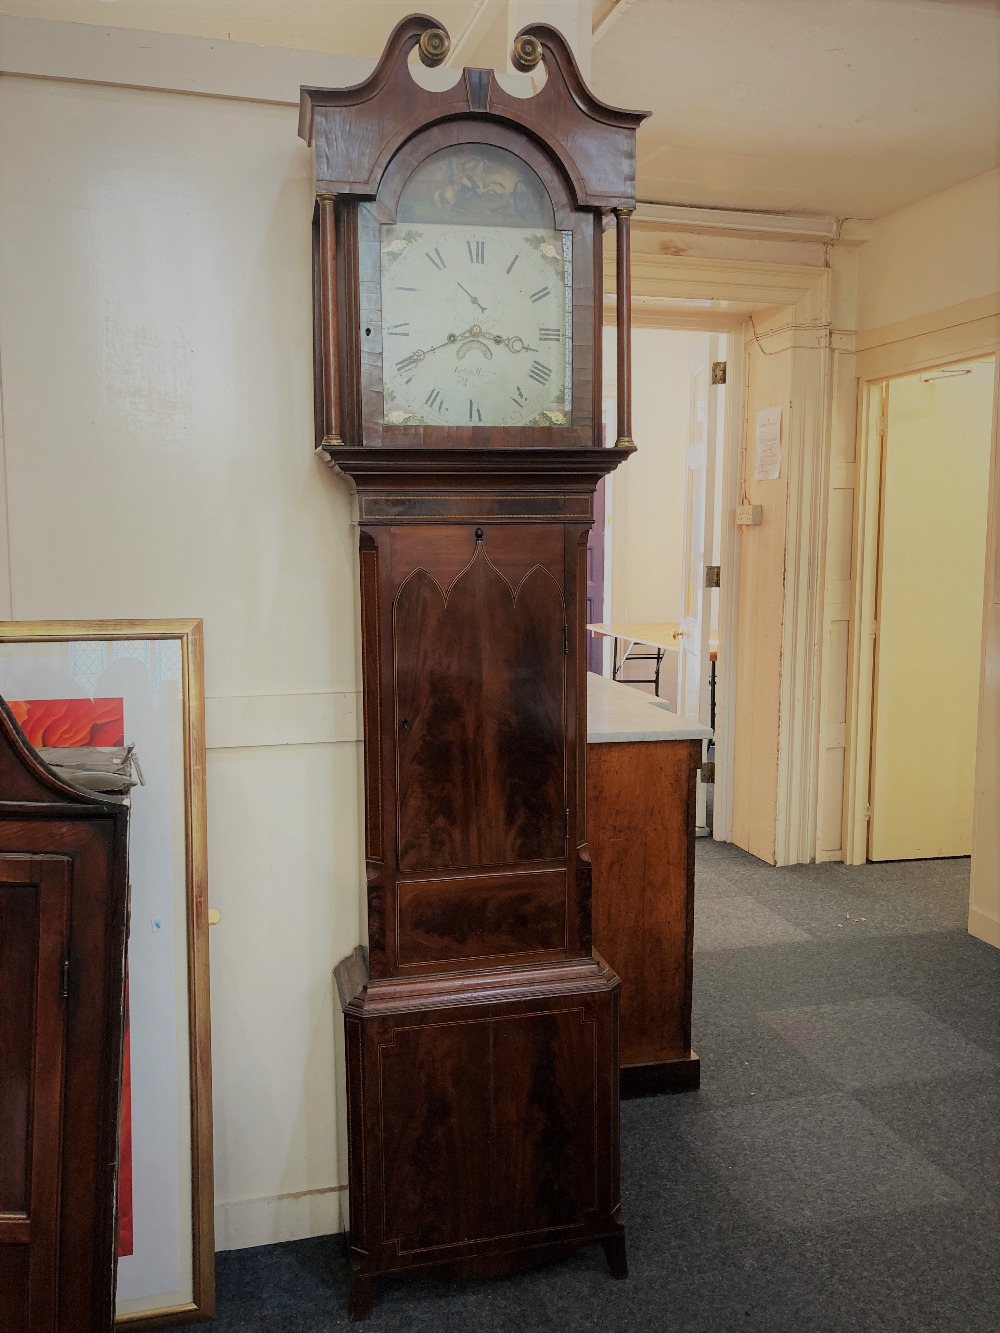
458, 314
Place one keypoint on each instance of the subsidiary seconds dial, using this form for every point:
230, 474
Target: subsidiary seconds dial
476, 326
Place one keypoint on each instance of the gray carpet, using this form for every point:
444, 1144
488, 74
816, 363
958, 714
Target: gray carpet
838, 1170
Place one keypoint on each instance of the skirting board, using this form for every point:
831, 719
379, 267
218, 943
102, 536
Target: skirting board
243, 1223
984, 927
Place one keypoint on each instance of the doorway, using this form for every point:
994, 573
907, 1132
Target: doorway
935, 437
663, 528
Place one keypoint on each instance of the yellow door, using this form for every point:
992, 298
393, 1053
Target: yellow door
935, 481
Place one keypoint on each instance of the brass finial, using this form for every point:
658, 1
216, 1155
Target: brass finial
526, 53
434, 47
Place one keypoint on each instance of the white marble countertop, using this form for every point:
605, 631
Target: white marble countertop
617, 712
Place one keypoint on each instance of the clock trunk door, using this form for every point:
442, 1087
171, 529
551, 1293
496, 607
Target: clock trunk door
480, 719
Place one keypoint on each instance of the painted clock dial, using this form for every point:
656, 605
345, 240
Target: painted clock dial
476, 326
476, 297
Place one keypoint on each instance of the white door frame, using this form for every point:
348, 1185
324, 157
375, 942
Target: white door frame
729, 558
872, 407
717, 295
729, 581
871, 425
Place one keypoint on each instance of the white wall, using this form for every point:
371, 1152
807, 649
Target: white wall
935, 254
155, 339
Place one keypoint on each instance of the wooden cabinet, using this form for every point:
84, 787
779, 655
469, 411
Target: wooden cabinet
642, 766
458, 298
63, 876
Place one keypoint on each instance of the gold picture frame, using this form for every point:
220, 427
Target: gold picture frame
15, 665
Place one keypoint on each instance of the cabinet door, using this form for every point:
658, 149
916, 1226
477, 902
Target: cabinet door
34, 921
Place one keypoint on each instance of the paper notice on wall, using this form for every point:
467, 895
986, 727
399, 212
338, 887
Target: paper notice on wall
767, 450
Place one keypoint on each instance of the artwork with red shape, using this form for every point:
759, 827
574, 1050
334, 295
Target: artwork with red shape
72, 723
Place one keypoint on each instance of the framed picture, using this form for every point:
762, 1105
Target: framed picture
140, 682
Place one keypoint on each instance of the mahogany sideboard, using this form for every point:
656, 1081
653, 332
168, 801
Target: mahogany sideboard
642, 765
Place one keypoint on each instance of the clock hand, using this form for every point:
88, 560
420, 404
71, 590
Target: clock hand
476, 331
450, 341
515, 343
473, 299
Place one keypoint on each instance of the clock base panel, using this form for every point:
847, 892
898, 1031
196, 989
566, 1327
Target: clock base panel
482, 1120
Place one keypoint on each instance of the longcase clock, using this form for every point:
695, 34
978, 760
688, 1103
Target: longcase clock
458, 312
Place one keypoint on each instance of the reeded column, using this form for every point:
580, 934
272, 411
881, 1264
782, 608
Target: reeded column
328, 318
623, 277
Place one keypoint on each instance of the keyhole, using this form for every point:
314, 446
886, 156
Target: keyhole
405, 724
479, 534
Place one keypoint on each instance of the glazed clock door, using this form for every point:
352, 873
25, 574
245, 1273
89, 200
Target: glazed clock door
477, 289
476, 316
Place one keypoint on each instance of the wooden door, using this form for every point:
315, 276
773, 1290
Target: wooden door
932, 557
693, 700
480, 695
34, 930
480, 698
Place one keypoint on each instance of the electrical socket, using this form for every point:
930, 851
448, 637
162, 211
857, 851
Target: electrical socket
748, 515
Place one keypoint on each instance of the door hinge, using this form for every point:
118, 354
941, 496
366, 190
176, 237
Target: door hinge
567, 823
873, 630
880, 427
868, 812
713, 576
718, 372
65, 979
708, 771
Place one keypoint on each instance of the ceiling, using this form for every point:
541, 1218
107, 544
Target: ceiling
845, 107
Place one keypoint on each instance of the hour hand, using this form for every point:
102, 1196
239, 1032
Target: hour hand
475, 300
516, 344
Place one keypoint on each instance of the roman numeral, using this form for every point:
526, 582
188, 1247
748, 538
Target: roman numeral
434, 399
539, 373
473, 408
437, 258
541, 294
407, 363
549, 335
401, 330
477, 252
513, 262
